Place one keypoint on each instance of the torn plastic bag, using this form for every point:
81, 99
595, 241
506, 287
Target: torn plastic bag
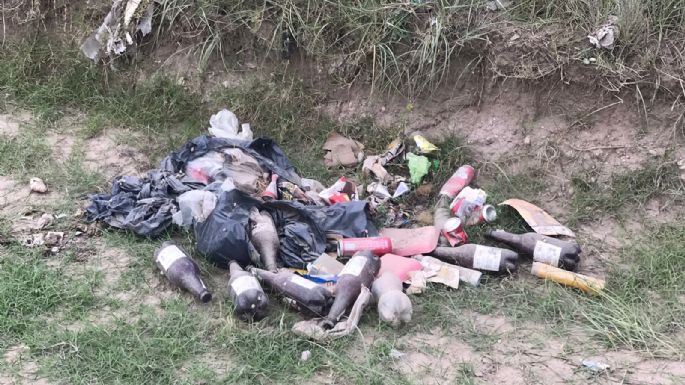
195, 205
223, 236
264, 150
224, 124
302, 230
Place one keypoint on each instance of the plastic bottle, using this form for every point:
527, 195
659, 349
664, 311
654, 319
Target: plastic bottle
479, 257
394, 307
249, 300
460, 179
181, 270
551, 251
310, 297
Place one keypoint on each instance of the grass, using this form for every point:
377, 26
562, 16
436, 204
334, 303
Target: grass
31, 293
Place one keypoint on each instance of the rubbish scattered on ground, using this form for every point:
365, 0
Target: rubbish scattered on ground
116, 33
252, 213
587, 284
408, 242
181, 270
342, 151
454, 232
418, 167
538, 219
53, 238
37, 185
250, 303
42, 222
394, 307
224, 124
606, 35
304, 357
595, 366
396, 354
424, 146
552, 251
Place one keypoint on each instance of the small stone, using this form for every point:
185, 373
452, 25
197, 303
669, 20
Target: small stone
526, 140
54, 250
37, 185
305, 355
42, 222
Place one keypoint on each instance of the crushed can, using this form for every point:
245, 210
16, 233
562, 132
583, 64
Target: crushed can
485, 213
460, 179
377, 245
454, 232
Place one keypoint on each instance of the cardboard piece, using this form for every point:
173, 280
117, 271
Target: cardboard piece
538, 219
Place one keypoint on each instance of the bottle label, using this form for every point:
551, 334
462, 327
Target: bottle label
487, 258
546, 253
302, 282
354, 266
169, 255
245, 283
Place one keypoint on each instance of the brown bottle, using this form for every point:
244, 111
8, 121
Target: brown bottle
479, 257
310, 297
181, 270
360, 270
544, 249
249, 300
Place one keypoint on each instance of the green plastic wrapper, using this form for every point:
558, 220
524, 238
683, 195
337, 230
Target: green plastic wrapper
418, 167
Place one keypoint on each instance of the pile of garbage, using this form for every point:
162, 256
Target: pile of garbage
316, 247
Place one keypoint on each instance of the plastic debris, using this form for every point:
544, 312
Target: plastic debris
114, 35
595, 366
342, 151
425, 147
304, 356
418, 167
402, 188
195, 205
606, 35
37, 185
396, 354
401, 267
224, 124
325, 264
538, 219
408, 242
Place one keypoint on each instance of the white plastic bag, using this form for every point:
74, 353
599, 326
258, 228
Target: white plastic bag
224, 124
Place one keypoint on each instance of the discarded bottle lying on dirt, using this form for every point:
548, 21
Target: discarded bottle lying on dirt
551, 251
460, 179
479, 257
359, 271
394, 307
587, 284
376, 245
249, 300
264, 237
310, 297
181, 270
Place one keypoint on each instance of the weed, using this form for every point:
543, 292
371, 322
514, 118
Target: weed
30, 292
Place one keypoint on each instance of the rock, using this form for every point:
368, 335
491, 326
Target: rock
34, 240
42, 222
305, 355
37, 185
425, 189
526, 140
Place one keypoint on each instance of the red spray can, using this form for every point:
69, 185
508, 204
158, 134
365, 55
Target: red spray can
460, 179
377, 245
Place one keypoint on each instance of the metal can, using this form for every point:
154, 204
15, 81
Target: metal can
485, 213
460, 179
454, 232
377, 245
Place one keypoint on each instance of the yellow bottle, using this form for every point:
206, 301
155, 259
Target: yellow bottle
587, 284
